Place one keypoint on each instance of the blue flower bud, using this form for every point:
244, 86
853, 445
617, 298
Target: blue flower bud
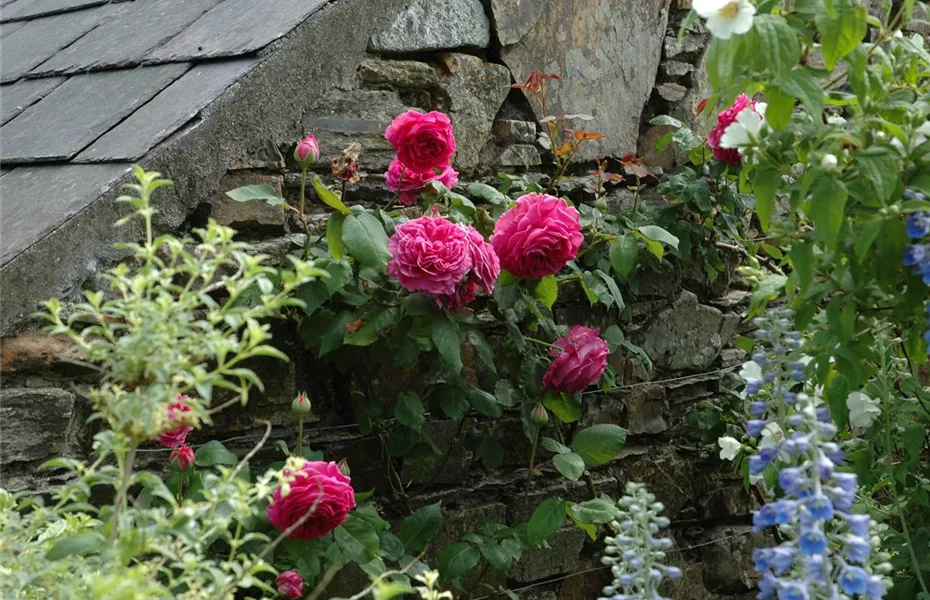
757, 409
793, 591
857, 549
846, 481
820, 507
812, 541
854, 580
791, 479
755, 426
760, 359
782, 559
875, 588
823, 414
858, 524
673, 573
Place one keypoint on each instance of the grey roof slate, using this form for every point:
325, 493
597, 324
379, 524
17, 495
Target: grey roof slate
108, 82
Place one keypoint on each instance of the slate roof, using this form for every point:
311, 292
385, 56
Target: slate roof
87, 87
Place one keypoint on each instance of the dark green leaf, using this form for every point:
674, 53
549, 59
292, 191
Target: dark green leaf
764, 185
365, 240
445, 335
81, 544
484, 402
867, 236
803, 85
841, 31
623, 254
334, 243
421, 527
599, 444
256, 192
553, 446
214, 453
721, 59
487, 193
836, 394
570, 465
358, 539
490, 452
409, 411
774, 43
547, 517
565, 407
506, 394
453, 402
595, 512
657, 234
802, 258
546, 290
827, 209
456, 560
665, 120
482, 348
780, 107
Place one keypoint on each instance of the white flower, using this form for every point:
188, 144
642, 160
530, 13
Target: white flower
862, 409
729, 447
744, 131
829, 162
836, 120
771, 435
726, 17
751, 371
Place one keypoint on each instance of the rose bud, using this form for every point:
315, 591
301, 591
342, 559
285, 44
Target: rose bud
307, 151
184, 456
301, 405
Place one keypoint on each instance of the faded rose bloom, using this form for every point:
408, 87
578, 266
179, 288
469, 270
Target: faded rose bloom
485, 268
307, 151
429, 255
409, 183
345, 166
303, 483
184, 456
579, 359
290, 584
178, 435
538, 236
731, 156
424, 142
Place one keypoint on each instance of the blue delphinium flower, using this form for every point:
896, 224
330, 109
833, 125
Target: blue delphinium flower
635, 555
827, 553
917, 255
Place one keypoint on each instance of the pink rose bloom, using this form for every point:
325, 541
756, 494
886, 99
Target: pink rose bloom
579, 359
538, 236
184, 455
290, 584
424, 142
293, 500
409, 183
429, 255
730, 156
307, 151
178, 435
486, 266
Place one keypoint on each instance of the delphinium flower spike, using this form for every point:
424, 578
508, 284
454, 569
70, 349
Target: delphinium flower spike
917, 255
827, 549
635, 555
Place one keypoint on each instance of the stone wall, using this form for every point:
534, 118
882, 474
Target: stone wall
622, 63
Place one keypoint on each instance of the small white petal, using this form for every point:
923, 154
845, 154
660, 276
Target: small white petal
729, 447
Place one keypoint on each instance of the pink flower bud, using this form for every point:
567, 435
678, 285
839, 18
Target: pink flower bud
307, 151
301, 404
290, 584
184, 456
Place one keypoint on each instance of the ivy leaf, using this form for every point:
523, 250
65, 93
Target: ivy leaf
827, 209
764, 185
595, 512
599, 444
546, 290
623, 254
334, 243
841, 31
570, 465
329, 197
452, 402
214, 453
366, 241
445, 335
409, 411
565, 407
358, 539
457, 559
547, 517
421, 527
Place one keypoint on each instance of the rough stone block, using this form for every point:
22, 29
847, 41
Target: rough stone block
672, 92
687, 336
398, 73
34, 423
562, 556
518, 155
691, 42
589, 43
515, 18
521, 132
252, 215
645, 411
676, 68
728, 565
726, 501
476, 90
435, 25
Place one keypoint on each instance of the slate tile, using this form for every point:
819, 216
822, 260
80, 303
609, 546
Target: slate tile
236, 27
167, 112
39, 39
81, 110
38, 199
23, 94
30, 9
8, 28
121, 41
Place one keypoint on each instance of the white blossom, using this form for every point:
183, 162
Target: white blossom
729, 447
726, 18
771, 435
829, 162
862, 409
744, 131
751, 371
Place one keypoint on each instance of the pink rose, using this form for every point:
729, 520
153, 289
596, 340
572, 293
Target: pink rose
538, 236
184, 456
307, 151
178, 435
290, 584
294, 498
429, 255
409, 183
579, 359
486, 266
730, 156
424, 142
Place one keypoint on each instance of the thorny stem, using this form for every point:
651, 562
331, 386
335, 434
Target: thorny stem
540, 342
119, 504
303, 216
300, 436
529, 472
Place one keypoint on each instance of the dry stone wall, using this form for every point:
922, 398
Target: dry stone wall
622, 63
